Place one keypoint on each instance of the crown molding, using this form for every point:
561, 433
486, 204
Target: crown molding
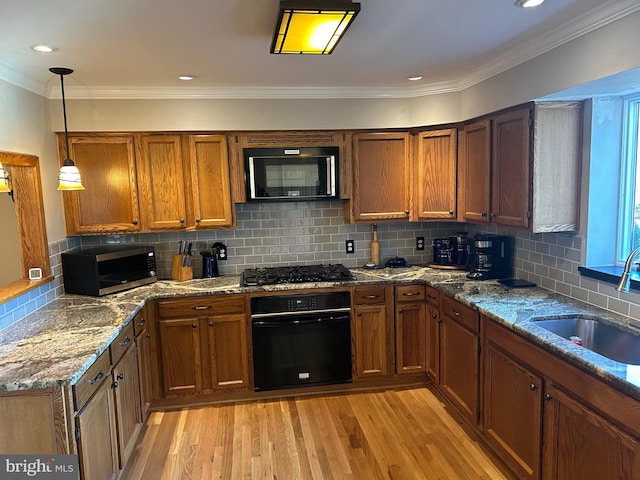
11, 76
582, 25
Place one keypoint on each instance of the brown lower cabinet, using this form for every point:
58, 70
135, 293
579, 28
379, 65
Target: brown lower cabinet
459, 357
548, 419
372, 332
203, 343
411, 329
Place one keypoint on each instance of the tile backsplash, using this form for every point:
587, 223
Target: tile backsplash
271, 234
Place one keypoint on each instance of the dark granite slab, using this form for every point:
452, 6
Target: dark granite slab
58, 343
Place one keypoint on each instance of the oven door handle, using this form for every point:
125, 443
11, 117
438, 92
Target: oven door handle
263, 323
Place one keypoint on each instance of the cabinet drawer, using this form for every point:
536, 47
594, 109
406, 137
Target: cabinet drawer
369, 295
91, 380
460, 313
199, 306
139, 323
410, 293
121, 343
433, 296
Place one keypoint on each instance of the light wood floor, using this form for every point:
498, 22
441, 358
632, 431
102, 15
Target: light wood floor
394, 434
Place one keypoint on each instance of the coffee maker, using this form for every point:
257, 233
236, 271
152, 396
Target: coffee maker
491, 257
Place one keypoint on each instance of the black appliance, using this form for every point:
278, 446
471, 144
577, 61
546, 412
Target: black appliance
491, 257
453, 250
296, 274
301, 340
302, 173
108, 269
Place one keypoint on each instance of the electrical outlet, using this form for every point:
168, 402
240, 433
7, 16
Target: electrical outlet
419, 243
350, 246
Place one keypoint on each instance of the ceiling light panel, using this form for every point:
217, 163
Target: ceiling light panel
312, 28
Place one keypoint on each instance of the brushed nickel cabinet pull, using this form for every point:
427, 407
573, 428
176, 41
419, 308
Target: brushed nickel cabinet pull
98, 377
125, 342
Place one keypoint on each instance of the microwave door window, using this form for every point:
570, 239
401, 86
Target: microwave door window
119, 271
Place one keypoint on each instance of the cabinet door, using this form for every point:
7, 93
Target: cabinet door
143, 343
126, 388
227, 351
411, 338
96, 433
436, 177
210, 187
510, 169
512, 412
180, 350
475, 171
433, 342
109, 203
381, 176
161, 181
459, 366
370, 327
579, 443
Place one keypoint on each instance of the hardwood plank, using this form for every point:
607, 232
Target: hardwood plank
393, 434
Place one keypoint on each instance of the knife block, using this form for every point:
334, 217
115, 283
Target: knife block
178, 272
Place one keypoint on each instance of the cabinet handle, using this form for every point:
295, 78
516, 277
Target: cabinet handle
456, 313
98, 377
125, 342
359, 314
434, 316
410, 294
492, 216
194, 325
400, 311
116, 384
483, 214
439, 320
406, 212
211, 324
141, 322
182, 220
533, 387
120, 376
135, 222
198, 220
201, 307
431, 297
148, 335
450, 212
548, 397
370, 297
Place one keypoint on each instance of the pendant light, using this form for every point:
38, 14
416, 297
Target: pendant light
69, 176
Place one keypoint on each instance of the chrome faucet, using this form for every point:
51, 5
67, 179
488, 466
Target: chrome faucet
625, 281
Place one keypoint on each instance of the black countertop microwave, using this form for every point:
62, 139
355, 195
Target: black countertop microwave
108, 269
297, 173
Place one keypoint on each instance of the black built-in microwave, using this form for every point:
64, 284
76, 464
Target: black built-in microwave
108, 269
296, 173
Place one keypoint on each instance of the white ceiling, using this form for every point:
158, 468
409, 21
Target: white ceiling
137, 48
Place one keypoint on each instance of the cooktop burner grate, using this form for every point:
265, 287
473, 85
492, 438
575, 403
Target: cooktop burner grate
295, 274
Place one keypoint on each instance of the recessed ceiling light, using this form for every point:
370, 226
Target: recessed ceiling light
187, 77
43, 48
528, 3
414, 78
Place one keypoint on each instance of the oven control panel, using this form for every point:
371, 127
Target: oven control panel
300, 303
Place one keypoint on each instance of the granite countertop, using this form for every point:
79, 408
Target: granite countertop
56, 344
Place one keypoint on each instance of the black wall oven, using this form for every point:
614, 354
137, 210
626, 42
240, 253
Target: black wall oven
301, 340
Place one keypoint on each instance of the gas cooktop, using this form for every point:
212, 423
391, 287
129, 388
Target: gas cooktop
296, 274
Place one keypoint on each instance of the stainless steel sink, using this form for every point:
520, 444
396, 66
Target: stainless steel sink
608, 340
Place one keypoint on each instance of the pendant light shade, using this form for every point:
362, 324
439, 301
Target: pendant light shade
69, 176
4, 180
312, 27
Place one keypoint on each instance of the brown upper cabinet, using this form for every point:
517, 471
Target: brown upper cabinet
381, 188
161, 180
435, 170
521, 168
109, 203
148, 183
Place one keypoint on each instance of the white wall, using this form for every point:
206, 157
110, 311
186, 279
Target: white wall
25, 128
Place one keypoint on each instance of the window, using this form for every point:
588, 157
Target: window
629, 210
